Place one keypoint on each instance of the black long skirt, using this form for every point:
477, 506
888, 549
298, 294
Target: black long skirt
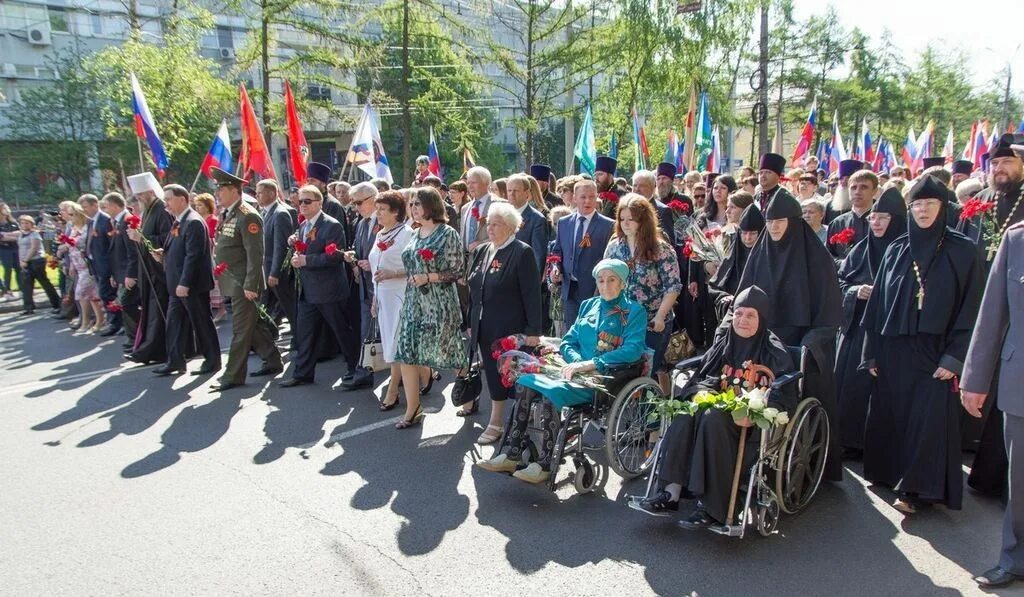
912, 436
853, 386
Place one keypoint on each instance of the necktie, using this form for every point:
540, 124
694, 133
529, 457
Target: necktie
581, 223
472, 225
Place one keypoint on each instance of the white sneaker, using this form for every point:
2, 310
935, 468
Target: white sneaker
533, 473
499, 464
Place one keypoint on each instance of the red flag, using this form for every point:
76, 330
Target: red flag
298, 149
255, 156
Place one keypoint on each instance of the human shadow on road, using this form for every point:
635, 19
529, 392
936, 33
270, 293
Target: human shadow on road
840, 545
193, 430
297, 420
423, 484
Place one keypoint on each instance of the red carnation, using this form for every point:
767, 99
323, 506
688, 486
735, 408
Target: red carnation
133, 221
302, 218
509, 343
300, 246
680, 206
843, 237
66, 240
688, 248
426, 254
974, 208
713, 233
331, 249
475, 213
554, 259
113, 307
496, 355
610, 197
219, 269
384, 246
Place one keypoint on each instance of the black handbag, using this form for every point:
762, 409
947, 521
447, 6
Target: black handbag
468, 386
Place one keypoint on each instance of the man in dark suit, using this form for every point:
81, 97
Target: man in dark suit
113, 205
279, 222
188, 267
362, 196
580, 242
535, 230
542, 172
324, 288
97, 250
994, 362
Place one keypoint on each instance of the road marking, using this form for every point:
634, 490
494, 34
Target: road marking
337, 437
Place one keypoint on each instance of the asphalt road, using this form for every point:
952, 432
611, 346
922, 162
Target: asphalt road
118, 482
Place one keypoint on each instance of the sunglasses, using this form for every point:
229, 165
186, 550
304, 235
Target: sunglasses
699, 196
307, 201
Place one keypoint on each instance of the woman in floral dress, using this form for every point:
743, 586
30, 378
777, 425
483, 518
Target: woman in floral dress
653, 271
86, 291
429, 333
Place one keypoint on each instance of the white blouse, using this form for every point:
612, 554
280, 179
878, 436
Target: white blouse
391, 258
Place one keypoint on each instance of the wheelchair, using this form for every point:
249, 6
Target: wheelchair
789, 466
624, 414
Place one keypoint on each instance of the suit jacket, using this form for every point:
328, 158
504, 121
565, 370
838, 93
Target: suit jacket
580, 261
240, 248
366, 234
119, 249
667, 221
481, 229
510, 296
187, 259
536, 233
278, 225
998, 337
323, 279
97, 246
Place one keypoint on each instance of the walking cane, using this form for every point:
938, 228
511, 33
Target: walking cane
736, 476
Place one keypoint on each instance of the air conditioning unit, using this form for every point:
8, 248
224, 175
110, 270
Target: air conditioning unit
39, 34
227, 54
9, 71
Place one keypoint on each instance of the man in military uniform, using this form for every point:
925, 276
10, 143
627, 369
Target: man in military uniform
240, 262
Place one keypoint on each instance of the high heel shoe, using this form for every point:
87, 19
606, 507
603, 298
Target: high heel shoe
416, 419
386, 406
434, 376
469, 410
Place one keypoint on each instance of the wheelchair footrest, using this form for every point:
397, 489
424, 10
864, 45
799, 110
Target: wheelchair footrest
729, 530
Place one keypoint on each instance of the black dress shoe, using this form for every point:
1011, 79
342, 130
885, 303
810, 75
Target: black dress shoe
995, 578
363, 381
167, 370
700, 519
265, 371
291, 383
207, 369
348, 376
661, 504
109, 331
131, 357
223, 386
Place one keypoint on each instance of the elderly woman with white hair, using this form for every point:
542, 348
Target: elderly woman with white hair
505, 299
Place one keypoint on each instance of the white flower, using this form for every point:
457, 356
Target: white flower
756, 399
771, 414
782, 418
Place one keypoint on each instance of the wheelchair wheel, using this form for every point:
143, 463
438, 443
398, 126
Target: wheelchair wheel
802, 456
768, 513
585, 478
629, 442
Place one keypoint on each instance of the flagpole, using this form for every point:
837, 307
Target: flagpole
142, 163
195, 182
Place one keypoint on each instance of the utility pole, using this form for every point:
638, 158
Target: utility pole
404, 97
778, 110
762, 127
570, 105
1005, 120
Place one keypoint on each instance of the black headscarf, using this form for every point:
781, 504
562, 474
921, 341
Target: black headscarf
797, 269
861, 265
763, 348
727, 278
947, 263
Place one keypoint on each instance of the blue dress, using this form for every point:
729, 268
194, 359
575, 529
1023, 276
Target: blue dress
609, 332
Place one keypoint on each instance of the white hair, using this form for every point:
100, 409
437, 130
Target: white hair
967, 189
645, 176
481, 172
506, 212
363, 191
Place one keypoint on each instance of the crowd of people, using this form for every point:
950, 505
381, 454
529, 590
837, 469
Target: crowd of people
880, 276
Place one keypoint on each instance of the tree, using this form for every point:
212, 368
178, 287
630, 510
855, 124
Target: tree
52, 130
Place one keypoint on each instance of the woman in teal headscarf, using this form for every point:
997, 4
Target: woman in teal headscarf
609, 331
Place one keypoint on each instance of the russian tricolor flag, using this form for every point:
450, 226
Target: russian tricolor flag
219, 154
434, 166
837, 151
803, 146
145, 127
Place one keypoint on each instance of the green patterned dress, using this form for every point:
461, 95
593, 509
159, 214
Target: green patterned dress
429, 329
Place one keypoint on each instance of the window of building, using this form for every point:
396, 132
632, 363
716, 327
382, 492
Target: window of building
316, 91
58, 19
224, 37
97, 23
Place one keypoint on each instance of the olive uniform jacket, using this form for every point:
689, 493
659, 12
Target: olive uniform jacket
240, 248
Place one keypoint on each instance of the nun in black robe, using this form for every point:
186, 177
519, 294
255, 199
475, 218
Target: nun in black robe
858, 269
917, 327
699, 452
722, 286
799, 274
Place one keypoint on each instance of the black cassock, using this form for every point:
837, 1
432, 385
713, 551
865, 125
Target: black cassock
149, 337
726, 280
700, 452
912, 435
853, 384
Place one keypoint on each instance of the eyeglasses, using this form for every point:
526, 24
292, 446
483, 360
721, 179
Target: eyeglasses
307, 201
414, 203
699, 196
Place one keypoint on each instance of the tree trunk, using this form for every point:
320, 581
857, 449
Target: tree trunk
404, 97
529, 95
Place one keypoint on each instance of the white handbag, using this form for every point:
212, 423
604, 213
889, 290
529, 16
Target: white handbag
372, 356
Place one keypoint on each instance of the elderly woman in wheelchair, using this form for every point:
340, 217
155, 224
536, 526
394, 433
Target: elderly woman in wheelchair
607, 338
697, 458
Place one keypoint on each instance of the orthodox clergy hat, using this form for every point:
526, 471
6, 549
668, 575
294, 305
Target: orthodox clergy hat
606, 164
321, 172
774, 162
1019, 149
963, 167
1004, 147
932, 162
226, 179
666, 169
928, 187
848, 167
140, 183
540, 171
709, 179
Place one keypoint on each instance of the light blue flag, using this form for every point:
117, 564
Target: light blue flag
586, 147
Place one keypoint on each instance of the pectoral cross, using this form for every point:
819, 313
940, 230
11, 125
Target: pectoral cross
992, 248
920, 298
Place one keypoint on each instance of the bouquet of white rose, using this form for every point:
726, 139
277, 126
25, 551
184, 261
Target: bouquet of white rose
751, 404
